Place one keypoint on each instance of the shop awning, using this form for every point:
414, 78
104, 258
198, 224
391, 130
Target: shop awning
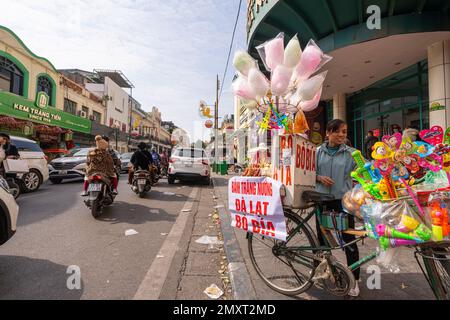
20, 108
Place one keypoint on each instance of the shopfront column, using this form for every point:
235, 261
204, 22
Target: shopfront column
339, 106
439, 83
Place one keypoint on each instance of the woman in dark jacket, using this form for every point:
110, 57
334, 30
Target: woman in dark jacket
141, 160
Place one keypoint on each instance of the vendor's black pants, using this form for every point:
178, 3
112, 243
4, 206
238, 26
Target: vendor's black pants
351, 252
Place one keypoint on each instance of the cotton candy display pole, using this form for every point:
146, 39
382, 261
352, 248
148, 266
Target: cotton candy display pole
413, 196
309, 88
243, 62
310, 61
274, 50
258, 82
281, 77
292, 53
242, 88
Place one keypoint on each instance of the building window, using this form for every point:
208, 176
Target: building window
70, 106
44, 84
124, 127
97, 116
11, 77
85, 109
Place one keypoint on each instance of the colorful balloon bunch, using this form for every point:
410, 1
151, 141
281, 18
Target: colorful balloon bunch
291, 82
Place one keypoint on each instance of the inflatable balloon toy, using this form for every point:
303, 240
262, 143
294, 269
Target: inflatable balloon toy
412, 163
400, 172
408, 146
423, 149
393, 141
433, 136
385, 166
381, 151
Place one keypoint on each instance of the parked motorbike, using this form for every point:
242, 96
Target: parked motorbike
13, 184
142, 182
99, 193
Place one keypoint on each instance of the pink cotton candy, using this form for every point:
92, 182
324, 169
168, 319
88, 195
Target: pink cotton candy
242, 89
258, 83
281, 77
309, 62
274, 50
311, 104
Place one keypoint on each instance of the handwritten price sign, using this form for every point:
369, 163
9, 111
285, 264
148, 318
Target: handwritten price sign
255, 206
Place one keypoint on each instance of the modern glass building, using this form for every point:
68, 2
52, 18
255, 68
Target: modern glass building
391, 58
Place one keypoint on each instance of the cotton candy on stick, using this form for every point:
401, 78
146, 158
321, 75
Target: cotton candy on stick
281, 77
309, 88
242, 88
311, 104
312, 59
292, 53
258, 83
274, 51
243, 62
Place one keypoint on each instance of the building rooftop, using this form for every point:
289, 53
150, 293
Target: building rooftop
117, 76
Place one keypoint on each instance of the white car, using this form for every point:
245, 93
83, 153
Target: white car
9, 211
30, 151
189, 164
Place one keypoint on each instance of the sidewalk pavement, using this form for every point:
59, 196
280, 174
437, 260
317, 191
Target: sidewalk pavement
409, 283
204, 264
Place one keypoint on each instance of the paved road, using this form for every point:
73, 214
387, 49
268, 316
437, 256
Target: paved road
56, 230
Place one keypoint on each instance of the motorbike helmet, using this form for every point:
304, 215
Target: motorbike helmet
106, 138
142, 145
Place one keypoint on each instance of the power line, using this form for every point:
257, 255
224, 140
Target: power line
231, 47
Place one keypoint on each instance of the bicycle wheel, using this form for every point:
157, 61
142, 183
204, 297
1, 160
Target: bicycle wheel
437, 269
282, 269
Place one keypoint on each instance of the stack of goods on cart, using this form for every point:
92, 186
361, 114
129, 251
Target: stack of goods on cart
294, 88
404, 194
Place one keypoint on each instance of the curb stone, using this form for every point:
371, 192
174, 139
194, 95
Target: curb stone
239, 276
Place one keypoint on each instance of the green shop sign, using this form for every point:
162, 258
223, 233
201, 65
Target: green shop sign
39, 111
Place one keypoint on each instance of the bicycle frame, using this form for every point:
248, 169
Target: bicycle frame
306, 251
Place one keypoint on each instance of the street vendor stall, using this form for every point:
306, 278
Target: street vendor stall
402, 197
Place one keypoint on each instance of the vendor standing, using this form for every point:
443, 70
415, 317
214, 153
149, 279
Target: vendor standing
334, 163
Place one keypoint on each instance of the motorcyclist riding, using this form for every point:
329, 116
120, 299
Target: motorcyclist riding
116, 160
99, 160
141, 160
156, 160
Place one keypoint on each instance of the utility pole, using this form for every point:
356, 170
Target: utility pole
216, 123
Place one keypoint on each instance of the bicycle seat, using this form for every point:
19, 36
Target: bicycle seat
316, 197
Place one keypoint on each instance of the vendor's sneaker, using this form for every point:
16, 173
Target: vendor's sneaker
355, 291
84, 194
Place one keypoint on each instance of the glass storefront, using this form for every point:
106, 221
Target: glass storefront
399, 100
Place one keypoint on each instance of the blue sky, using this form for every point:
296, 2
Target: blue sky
171, 50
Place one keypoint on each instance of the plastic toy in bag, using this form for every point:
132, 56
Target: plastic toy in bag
300, 123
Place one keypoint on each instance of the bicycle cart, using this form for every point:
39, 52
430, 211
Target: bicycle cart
291, 267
